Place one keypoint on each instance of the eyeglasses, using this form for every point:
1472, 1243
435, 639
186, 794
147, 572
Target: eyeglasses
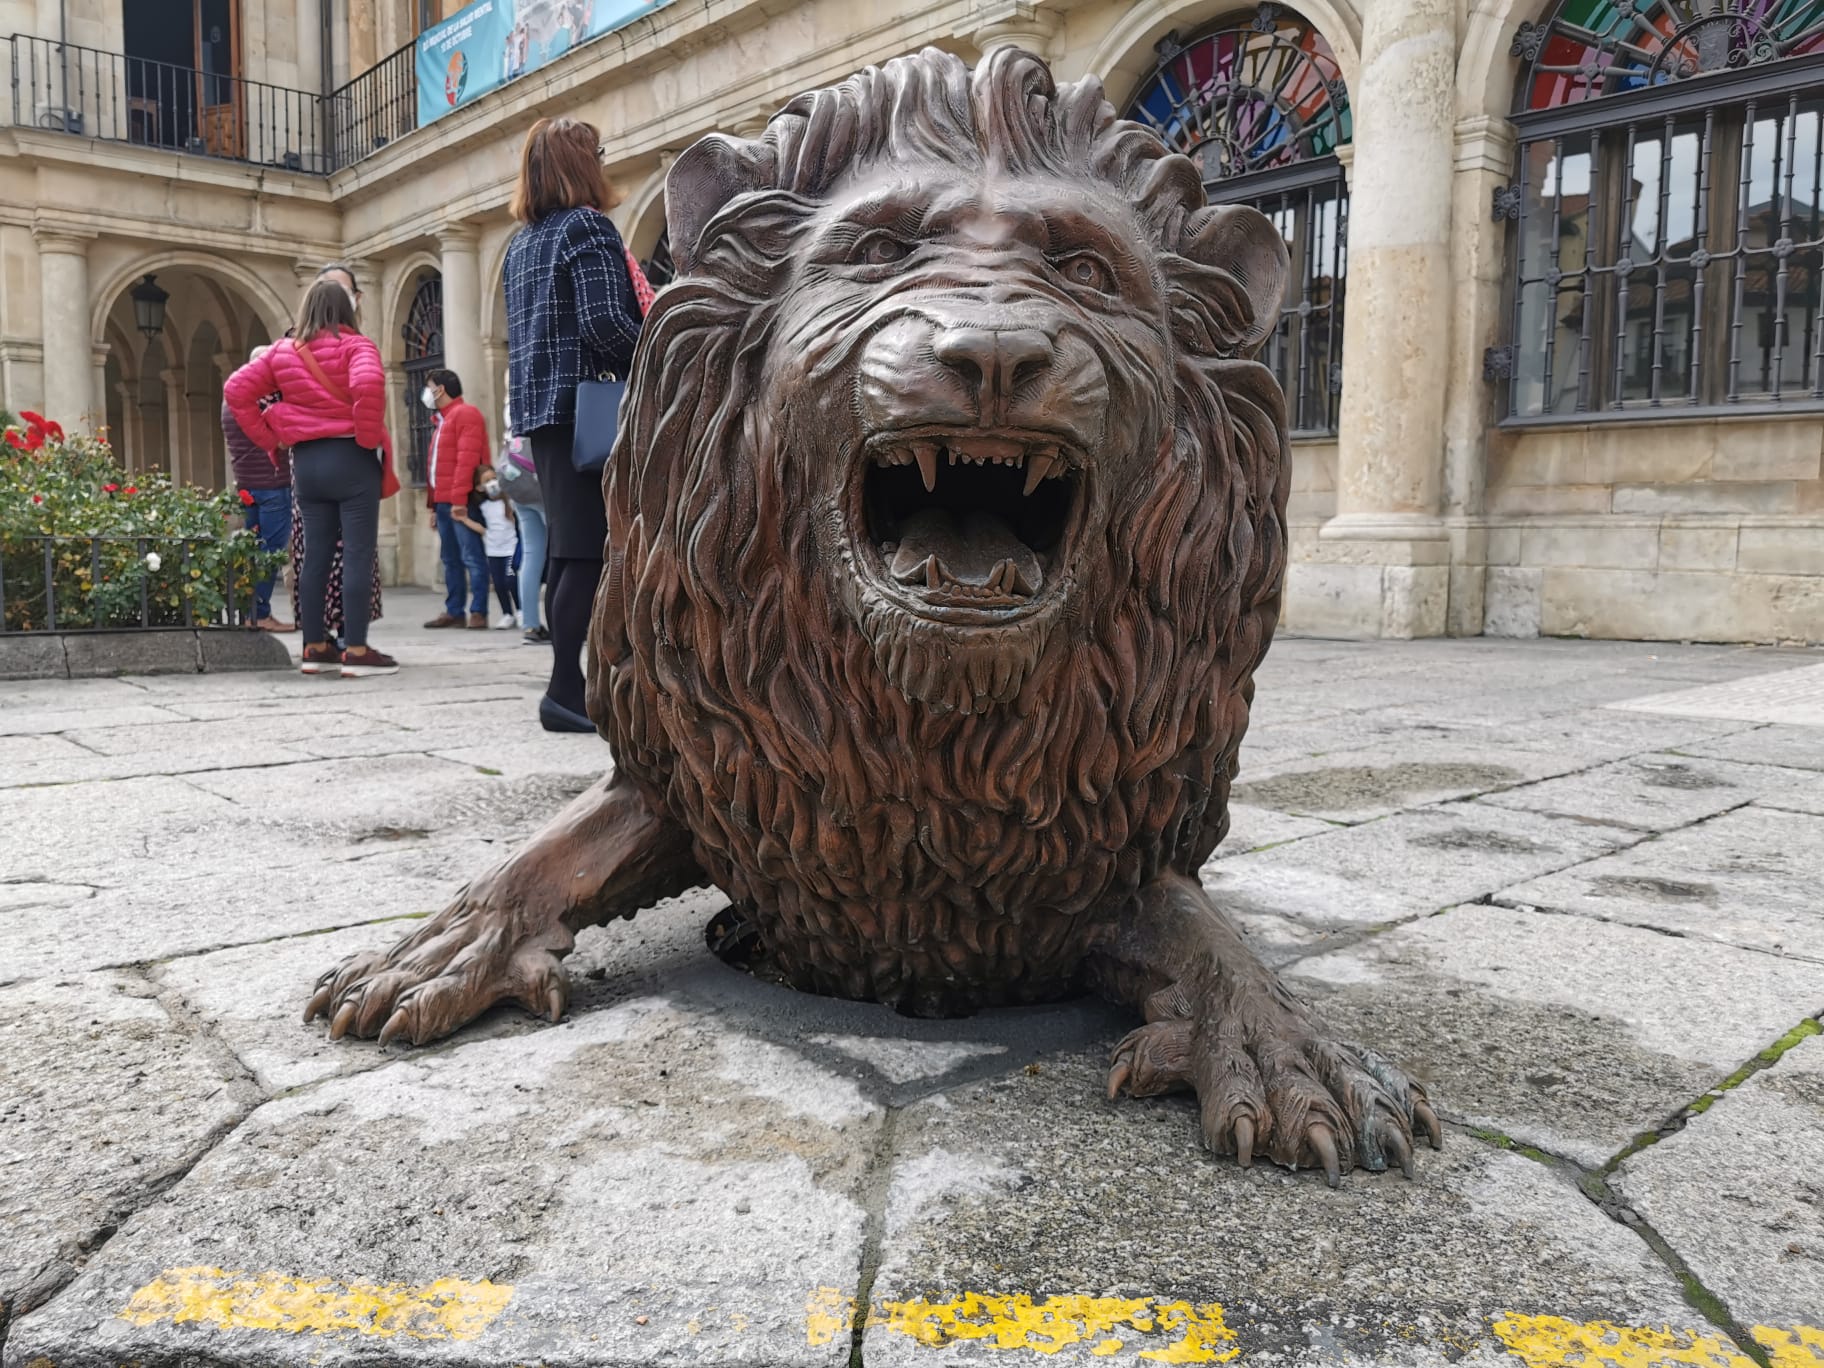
601, 152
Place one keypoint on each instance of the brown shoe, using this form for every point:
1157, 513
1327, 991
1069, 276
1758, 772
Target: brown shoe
444, 620
478, 622
324, 659
274, 625
361, 661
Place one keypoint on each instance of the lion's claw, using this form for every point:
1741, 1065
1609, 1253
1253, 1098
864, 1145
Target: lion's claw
1303, 1100
1323, 1149
444, 975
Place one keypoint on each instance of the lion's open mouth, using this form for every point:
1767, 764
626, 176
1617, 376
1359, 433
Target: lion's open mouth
967, 520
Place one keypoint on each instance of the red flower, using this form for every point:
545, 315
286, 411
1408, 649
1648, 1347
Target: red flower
246, 499
13, 439
130, 489
54, 431
35, 419
109, 488
37, 498
34, 439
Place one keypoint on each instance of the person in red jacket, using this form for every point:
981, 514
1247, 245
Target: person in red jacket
332, 416
459, 447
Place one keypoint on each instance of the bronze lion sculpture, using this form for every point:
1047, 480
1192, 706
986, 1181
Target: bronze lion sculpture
946, 534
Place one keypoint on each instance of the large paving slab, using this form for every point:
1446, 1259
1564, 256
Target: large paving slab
1406, 865
1796, 747
107, 1098
1567, 1034
1749, 877
1656, 792
1376, 781
634, 1187
202, 909
1740, 1192
1034, 1213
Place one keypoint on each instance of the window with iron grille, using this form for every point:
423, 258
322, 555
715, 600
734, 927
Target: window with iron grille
658, 268
1259, 104
422, 333
1669, 208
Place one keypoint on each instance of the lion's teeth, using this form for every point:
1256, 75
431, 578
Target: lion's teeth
1038, 466
926, 455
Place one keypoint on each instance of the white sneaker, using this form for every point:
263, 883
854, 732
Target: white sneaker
506, 620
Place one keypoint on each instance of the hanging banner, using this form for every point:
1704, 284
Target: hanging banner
463, 57
490, 42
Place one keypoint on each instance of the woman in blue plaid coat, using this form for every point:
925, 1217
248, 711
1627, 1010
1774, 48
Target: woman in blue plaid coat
573, 312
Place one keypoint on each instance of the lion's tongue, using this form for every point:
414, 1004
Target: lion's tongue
978, 549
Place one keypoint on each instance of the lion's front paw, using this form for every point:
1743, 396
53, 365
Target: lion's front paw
443, 976
1268, 1082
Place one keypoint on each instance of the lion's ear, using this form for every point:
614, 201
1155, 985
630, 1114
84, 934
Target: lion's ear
1242, 244
710, 173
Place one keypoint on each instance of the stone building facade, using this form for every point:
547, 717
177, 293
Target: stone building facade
1553, 349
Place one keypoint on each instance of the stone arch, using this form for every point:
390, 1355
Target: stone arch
1486, 65
265, 302
401, 282
644, 213
1126, 53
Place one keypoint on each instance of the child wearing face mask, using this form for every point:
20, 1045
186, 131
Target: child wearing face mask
490, 513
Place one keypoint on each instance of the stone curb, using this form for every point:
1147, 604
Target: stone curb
82, 655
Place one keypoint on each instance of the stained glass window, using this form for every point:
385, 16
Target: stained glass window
1669, 207
1258, 103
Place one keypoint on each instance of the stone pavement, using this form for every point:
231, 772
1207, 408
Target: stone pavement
1574, 887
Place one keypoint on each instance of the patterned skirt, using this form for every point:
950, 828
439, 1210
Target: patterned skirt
332, 608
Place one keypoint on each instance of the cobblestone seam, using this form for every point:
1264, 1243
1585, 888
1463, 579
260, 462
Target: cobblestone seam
1594, 1184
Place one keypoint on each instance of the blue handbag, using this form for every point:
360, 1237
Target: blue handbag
598, 416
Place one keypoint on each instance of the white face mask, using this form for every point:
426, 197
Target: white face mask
428, 397
491, 489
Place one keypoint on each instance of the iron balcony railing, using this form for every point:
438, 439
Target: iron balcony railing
123, 99
377, 107
63, 584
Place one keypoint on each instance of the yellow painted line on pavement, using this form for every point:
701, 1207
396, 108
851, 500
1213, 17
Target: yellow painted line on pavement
448, 1309
1164, 1331
1551, 1341
1171, 1331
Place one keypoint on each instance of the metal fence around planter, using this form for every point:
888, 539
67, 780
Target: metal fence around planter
64, 584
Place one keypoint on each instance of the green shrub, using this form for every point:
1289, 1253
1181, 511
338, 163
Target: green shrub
163, 546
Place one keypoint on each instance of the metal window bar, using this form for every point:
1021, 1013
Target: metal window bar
1310, 205
1749, 248
60, 603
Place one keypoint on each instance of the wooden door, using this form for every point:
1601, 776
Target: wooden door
216, 25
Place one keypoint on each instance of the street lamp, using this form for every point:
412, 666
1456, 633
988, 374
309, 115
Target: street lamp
149, 306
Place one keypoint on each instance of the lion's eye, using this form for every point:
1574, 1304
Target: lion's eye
879, 249
1088, 270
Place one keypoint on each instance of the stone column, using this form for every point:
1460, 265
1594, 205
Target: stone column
461, 267
177, 453
1484, 156
494, 370
129, 448
69, 364
1382, 565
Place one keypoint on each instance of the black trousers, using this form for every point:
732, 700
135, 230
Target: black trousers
338, 487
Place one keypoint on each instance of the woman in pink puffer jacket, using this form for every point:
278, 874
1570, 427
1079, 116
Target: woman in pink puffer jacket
332, 416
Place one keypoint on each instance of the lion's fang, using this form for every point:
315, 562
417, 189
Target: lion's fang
1038, 466
926, 455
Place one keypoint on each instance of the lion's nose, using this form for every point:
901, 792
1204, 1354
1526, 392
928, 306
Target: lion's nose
994, 362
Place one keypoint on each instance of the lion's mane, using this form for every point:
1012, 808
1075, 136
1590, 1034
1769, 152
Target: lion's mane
937, 860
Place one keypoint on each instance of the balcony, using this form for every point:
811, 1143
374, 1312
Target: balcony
117, 98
